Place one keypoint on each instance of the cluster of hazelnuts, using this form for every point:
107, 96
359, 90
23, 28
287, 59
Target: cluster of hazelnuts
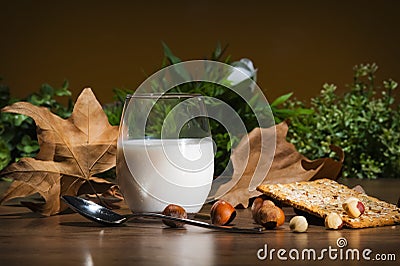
222, 213
353, 207
266, 214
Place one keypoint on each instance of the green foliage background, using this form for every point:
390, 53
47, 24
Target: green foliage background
364, 122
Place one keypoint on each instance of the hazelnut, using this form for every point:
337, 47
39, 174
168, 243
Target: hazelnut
270, 216
353, 207
174, 211
298, 224
222, 213
268, 203
333, 221
257, 203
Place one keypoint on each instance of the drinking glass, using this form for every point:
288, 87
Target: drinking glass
164, 152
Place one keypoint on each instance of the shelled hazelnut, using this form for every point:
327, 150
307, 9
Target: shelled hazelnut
333, 221
174, 211
298, 224
353, 207
222, 213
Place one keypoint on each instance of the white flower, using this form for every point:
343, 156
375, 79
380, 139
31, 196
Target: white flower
244, 69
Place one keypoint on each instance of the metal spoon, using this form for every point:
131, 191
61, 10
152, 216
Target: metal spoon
105, 216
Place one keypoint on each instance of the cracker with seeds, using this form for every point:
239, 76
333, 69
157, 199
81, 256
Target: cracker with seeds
322, 196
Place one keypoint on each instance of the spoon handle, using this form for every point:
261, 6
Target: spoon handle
198, 223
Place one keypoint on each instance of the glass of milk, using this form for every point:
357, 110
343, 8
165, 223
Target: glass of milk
164, 152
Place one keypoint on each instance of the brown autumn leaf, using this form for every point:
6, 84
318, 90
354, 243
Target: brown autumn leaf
71, 152
288, 164
111, 198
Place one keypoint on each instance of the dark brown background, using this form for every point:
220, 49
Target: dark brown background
296, 45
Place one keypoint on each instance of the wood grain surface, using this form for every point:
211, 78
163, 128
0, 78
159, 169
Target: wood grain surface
69, 239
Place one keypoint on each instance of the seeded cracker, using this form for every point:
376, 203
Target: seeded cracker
323, 196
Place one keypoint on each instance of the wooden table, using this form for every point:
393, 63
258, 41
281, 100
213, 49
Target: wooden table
27, 239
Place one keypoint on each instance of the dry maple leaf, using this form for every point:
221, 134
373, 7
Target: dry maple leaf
288, 164
71, 152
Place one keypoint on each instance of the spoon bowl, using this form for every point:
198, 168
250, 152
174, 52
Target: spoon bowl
105, 216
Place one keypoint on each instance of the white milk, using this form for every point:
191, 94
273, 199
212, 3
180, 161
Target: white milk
153, 173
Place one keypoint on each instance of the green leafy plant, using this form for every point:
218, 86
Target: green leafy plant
364, 122
18, 132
